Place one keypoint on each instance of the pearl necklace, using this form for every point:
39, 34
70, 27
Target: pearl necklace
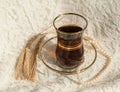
96, 78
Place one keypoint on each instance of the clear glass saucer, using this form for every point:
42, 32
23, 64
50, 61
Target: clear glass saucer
48, 56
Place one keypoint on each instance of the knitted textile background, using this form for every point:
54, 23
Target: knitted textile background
21, 19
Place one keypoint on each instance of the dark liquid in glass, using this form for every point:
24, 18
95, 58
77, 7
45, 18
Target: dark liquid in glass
65, 57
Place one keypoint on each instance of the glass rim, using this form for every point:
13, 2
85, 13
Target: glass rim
70, 14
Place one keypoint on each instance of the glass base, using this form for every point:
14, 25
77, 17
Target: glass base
69, 67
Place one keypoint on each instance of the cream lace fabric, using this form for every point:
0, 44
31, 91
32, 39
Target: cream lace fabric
21, 19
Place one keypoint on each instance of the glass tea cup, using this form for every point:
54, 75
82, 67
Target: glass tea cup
70, 48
